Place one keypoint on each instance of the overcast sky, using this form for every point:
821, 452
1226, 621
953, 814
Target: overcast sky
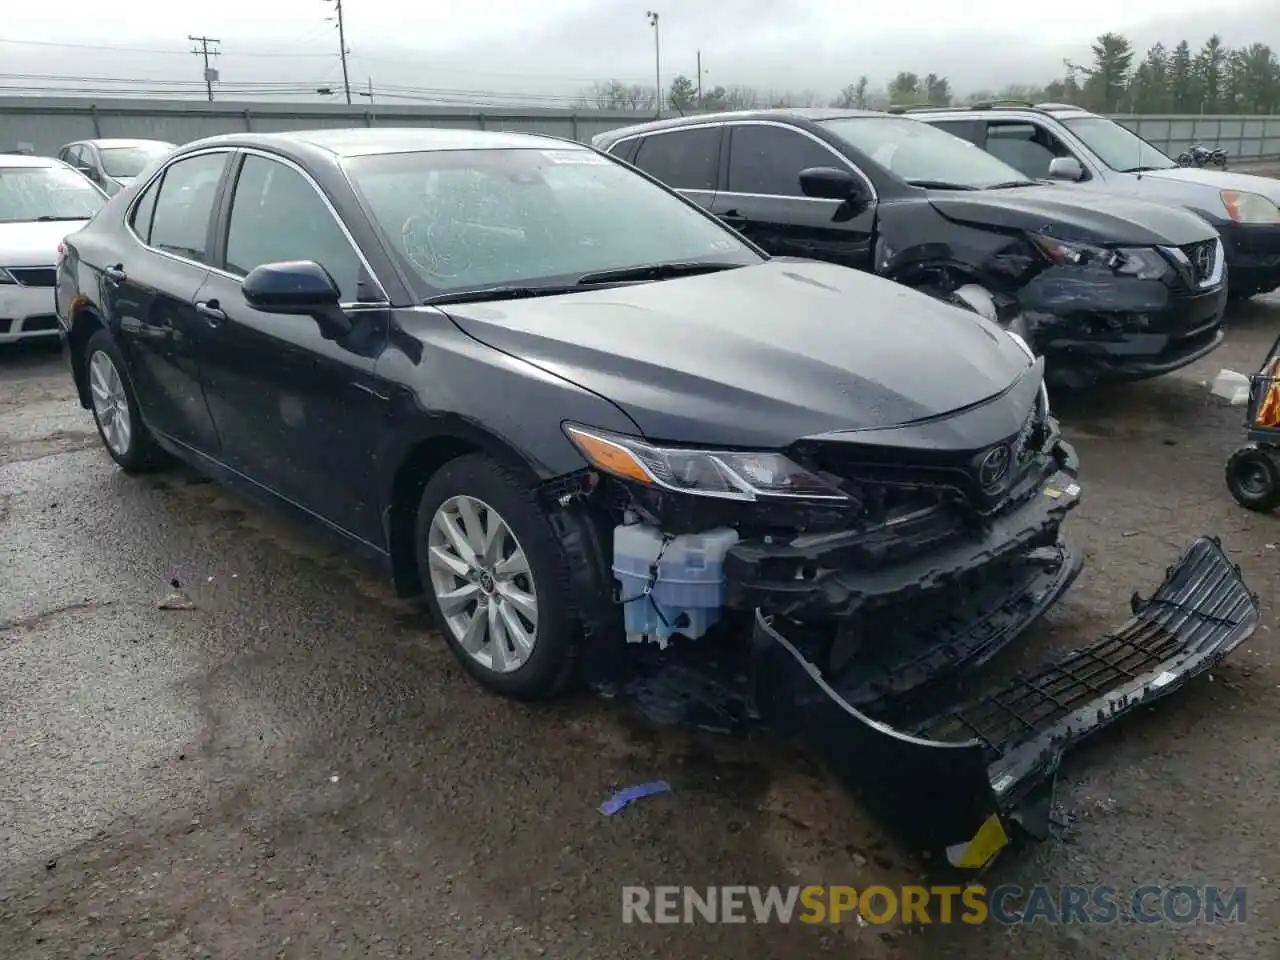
557, 47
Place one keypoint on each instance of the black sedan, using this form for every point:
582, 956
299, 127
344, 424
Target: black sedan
584, 418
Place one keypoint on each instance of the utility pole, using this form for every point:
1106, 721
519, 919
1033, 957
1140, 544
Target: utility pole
342, 49
657, 57
699, 78
210, 74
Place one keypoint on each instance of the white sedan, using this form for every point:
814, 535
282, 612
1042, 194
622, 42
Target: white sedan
41, 201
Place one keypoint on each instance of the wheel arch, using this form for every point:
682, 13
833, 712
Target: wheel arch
85, 322
417, 458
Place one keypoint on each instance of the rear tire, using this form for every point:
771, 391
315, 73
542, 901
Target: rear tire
115, 407
1253, 477
497, 579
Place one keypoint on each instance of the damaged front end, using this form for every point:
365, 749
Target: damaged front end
847, 589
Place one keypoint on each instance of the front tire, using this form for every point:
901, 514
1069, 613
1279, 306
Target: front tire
1253, 477
115, 407
497, 580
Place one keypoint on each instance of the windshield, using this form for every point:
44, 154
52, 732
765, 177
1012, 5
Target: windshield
50, 193
916, 152
131, 161
1118, 147
466, 219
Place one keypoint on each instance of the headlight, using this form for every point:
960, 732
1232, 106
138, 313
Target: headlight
6, 276
1249, 207
1142, 263
727, 474
1031, 355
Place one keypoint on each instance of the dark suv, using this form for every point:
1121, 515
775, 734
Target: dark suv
1107, 288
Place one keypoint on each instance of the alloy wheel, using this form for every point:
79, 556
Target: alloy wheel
482, 584
110, 403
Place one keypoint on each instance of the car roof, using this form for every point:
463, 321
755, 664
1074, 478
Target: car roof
371, 141
783, 114
27, 160
1057, 110
121, 142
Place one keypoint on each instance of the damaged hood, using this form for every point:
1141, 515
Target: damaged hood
1075, 214
758, 356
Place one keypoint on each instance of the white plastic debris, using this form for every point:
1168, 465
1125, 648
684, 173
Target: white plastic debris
176, 600
1232, 387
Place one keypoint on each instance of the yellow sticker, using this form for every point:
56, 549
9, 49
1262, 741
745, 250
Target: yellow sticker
1052, 493
986, 843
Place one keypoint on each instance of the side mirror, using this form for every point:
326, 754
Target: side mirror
829, 183
297, 288
1065, 168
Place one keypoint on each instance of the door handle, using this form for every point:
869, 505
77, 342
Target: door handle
733, 218
115, 274
210, 310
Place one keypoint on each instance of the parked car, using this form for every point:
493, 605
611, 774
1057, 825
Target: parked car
113, 164
574, 410
41, 200
1066, 143
1120, 290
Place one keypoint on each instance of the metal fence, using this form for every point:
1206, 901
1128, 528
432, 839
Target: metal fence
43, 124
1245, 138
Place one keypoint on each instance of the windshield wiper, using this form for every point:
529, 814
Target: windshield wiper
1143, 169
501, 293
655, 271
47, 218
940, 185
1008, 184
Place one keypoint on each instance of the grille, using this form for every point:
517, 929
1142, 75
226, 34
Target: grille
1202, 260
33, 276
44, 321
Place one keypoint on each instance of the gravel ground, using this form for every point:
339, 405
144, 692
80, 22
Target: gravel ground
296, 768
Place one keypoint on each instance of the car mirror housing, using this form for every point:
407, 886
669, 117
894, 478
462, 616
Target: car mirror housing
297, 288
829, 183
1065, 168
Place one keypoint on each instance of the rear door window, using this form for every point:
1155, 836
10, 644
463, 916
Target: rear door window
683, 159
180, 224
1027, 147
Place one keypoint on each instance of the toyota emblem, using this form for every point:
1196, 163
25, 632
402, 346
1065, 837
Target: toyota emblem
993, 466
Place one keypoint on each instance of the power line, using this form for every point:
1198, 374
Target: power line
210, 74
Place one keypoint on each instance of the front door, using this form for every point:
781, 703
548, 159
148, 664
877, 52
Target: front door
150, 296
762, 198
297, 413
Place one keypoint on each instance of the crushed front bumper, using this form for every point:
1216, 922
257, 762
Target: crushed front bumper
957, 778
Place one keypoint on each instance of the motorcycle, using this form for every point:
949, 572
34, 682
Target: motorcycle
1198, 155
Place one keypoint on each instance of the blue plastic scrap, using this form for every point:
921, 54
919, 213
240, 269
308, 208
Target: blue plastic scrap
623, 797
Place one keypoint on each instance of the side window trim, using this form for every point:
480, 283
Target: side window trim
155, 179
222, 224
844, 161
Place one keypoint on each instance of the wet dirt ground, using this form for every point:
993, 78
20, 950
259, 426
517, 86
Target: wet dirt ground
297, 768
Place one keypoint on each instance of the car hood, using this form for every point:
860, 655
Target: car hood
34, 244
1074, 214
1269, 187
758, 356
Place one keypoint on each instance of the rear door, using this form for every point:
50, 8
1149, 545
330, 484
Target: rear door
761, 197
150, 295
686, 158
297, 413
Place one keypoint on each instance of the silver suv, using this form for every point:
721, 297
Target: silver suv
1055, 141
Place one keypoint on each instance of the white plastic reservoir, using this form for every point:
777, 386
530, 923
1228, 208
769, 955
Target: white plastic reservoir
688, 595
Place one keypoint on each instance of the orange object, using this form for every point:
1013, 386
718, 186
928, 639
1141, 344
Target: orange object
1268, 414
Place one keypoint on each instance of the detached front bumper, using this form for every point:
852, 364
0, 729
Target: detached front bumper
957, 778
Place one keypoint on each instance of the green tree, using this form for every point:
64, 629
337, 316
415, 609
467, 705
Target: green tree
1149, 89
1109, 76
937, 91
1210, 71
682, 96
1257, 79
1184, 92
905, 89
853, 95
